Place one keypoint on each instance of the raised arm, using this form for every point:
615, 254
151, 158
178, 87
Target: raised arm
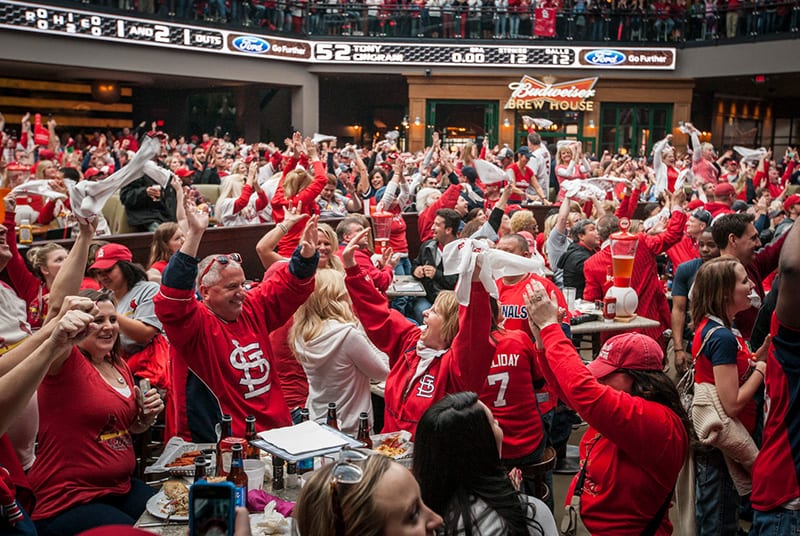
789, 285
266, 246
70, 276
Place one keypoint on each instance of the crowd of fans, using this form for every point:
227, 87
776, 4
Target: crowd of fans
582, 20
499, 372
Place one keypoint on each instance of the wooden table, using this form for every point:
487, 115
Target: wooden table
597, 327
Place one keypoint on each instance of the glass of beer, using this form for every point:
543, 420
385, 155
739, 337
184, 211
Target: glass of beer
623, 251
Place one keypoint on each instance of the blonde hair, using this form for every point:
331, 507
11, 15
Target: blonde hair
232, 186
521, 220
37, 257
334, 262
43, 166
329, 301
295, 181
447, 304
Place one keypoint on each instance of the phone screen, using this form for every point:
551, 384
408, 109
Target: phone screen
211, 509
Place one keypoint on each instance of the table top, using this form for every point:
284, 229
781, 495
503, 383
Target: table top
601, 326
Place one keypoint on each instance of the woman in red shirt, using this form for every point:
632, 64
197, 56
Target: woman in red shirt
90, 406
721, 290
638, 435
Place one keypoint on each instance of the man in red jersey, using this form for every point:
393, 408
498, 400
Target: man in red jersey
687, 249
221, 354
776, 487
511, 291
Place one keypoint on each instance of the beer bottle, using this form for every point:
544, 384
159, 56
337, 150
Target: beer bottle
277, 473
199, 469
253, 452
332, 421
363, 430
292, 479
225, 426
306, 465
238, 477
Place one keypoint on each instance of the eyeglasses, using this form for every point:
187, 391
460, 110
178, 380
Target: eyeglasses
223, 260
344, 472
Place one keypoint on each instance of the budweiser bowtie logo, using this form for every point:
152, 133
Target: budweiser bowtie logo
572, 92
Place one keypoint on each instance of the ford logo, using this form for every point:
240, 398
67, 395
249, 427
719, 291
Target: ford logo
251, 44
605, 57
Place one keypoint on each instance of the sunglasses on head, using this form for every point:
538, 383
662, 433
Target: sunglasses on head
222, 260
345, 472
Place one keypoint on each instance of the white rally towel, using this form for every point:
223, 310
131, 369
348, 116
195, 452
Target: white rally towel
42, 188
319, 138
460, 257
585, 189
540, 122
87, 198
750, 155
488, 172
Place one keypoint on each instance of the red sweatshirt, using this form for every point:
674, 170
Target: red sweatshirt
463, 367
382, 277
307, 196
642, 445
425, 221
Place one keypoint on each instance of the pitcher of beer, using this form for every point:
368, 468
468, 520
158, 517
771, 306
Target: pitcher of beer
623, 251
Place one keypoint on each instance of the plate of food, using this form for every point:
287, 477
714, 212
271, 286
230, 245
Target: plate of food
396, 445
171, 502
178, 457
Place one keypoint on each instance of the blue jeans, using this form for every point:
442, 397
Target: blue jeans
108, 510
401, 303
776, 522
420, 306
717, 502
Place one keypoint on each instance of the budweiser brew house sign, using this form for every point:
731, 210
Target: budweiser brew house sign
532, 94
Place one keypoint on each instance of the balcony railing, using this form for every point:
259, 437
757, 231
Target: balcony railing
663, 22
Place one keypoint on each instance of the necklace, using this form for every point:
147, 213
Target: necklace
120, 379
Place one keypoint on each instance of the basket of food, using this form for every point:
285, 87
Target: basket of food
178, 458
395, 445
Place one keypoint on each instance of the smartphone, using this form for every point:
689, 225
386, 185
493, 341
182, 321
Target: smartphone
212, 508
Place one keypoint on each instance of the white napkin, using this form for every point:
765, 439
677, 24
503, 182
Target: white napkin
88, 197
488, 172
304, 437
460, 256
538, 121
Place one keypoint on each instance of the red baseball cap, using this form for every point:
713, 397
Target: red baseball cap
91, 172
47, 154
791, 201
627, 351
724, 188
16, 166
108, 255
695, 203
182, 172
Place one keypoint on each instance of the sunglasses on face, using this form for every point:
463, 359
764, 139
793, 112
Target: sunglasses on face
223, 260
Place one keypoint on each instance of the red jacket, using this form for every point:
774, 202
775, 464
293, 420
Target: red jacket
684, 250
652, 301
462, 367
633, 466
425, 220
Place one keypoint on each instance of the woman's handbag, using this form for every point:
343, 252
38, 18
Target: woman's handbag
685, 385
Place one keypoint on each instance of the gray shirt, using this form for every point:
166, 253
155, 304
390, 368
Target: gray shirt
138, 304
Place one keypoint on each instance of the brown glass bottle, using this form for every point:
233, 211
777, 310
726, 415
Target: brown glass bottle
363, 430
237, 476
225, 426
277, 473
200, 464
253, 452
332, 421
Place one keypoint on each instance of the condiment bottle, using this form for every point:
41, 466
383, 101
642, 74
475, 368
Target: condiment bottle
238, 477
25, 232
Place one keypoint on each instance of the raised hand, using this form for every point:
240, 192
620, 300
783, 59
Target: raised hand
196, 218
349, 252
72, 327
308, 241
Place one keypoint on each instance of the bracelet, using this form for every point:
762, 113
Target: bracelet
763, 378
282, 227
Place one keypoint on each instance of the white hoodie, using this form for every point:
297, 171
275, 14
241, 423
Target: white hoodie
339, 363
